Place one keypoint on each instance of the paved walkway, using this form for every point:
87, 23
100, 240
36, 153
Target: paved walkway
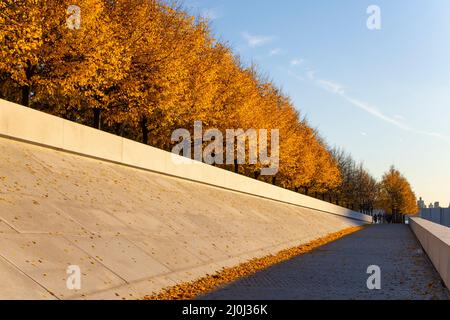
338, 271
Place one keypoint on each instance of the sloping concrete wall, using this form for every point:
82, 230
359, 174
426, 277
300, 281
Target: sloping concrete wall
31, 125
435, 239
131, 231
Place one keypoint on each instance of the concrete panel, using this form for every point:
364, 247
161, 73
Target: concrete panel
96, 220
120, 256
88, 141
36, 215
194, 273
29, 178
174, 253
5, 228
132, 291
31, 125
45, 258
204, 247
13, 281
139, 155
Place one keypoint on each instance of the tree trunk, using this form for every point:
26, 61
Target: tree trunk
26, 90
25, 101
144, 130
274, 180
236, 166
97, 118
118, 129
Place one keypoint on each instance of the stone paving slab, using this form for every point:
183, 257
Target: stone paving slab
338, 271
13, 280
5, 228
173, 253
132, 291
96, 220
45, 258
120, 256
30, 214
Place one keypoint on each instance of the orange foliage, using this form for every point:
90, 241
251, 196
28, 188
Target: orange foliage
142, 68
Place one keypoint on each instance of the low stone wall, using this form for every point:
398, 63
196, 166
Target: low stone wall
435, 239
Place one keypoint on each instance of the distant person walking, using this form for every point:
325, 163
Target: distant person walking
374, 218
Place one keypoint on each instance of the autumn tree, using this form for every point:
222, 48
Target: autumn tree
396, 196
87, 62
163, 43
358, 189
56, 65
366, 190
344, 193
21, 37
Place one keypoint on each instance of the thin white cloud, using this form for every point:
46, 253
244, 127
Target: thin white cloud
275, 52
396, 120
256, 40
331, 86
296, 62
211, 13
375, 112
378, 114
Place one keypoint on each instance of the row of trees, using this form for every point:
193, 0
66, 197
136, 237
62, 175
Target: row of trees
360, 191
143, 68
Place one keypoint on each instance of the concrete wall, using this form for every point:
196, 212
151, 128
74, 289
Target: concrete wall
30, 125
435, 239
134, 228
437, 215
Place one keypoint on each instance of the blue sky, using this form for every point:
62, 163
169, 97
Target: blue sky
383, 95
